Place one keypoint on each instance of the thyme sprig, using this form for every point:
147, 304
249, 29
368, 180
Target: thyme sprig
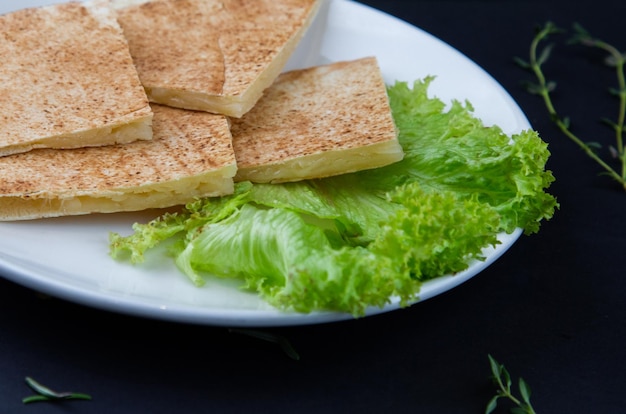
538, 57
502, 379
46, 394
279, 340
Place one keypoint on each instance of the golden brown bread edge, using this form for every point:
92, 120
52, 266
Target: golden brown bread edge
318, 122
67, 80
210, 55
190, 156
311, 123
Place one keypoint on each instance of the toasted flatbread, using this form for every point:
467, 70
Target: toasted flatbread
190, 156
212, 55
67, 80
317, 122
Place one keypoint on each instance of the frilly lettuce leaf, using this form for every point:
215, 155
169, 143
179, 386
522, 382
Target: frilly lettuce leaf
357, 240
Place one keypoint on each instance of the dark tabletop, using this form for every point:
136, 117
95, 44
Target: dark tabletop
552, 309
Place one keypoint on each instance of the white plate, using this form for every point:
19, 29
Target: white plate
68, 257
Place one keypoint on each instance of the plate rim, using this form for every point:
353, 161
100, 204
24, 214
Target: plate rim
21, 274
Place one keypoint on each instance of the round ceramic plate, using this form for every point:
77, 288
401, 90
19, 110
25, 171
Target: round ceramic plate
68, 257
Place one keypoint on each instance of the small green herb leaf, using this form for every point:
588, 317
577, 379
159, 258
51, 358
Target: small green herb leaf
594, 146
495, 367
521, 62
46, 394
545, 54
534, 88
492, 405
610, 123
35, 398
270, 337
524, 390
612, 60
503, 382
507, 378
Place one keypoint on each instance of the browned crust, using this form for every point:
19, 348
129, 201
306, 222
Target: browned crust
174, 44
326, 109
249, 48
185, 144
217, 48
64, 69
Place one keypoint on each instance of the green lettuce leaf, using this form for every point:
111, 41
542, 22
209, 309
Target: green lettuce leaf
291, 262
349, 242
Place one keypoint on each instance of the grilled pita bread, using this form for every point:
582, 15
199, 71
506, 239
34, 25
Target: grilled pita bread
67, 80
212, 55
317, 122
190, 156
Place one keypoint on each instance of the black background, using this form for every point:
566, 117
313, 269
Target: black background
552, 309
